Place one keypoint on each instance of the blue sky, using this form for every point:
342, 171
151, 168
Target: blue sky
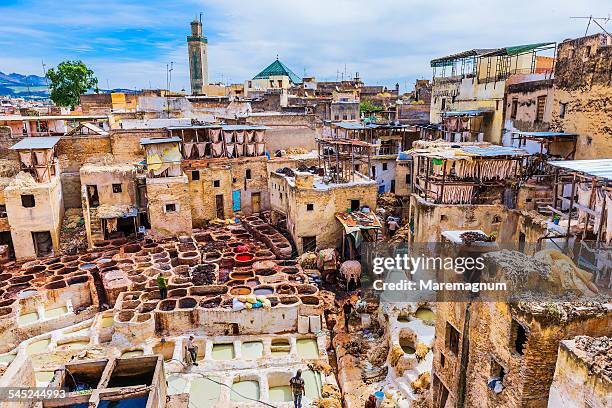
129, 43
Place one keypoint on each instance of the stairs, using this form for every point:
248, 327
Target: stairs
542, 204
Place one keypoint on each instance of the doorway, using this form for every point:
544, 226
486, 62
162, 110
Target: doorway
43, 244
6, 239
256, 202
92, 196
309, 244
219, 206
392, 189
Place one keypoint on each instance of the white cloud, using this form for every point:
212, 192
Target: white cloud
387, 41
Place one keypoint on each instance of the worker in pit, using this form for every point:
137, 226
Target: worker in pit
162, 285
347, 308
192, 349
297, 388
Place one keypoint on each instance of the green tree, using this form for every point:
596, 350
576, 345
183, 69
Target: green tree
368, 106
69, 80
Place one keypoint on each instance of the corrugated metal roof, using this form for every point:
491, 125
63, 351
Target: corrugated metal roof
600, 168
42, 142
443, 61
157, 140
518, 49
494, 150
546, 134
348, 125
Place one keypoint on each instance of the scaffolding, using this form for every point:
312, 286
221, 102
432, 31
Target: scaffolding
340, 159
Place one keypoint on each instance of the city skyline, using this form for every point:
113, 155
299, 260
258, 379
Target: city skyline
128, 46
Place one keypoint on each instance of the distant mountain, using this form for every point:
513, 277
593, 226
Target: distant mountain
23, 80
23, 86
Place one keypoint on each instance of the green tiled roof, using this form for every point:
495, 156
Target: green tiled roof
278, 68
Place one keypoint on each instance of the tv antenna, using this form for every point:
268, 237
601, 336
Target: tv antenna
594, 20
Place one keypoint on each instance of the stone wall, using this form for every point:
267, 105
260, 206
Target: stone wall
203, 192
125, 143
169, 190
288, 131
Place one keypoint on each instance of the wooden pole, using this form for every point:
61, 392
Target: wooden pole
569, 214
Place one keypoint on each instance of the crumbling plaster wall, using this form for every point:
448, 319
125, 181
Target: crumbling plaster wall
583, 81
575, 383
288, 131
46, 215
321, 222
169, 190
528, 377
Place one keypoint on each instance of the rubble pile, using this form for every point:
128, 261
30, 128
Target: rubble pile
600, 352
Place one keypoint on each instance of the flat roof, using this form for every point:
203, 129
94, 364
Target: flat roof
51, 117
157, 140
220, 126
600, 168
471, 112
40, 142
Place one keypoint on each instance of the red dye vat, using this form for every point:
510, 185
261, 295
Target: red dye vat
244, 257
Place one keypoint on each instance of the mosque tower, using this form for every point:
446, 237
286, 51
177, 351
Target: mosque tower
198, 57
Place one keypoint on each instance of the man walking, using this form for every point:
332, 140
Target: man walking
392, 226
162, 285
297, 388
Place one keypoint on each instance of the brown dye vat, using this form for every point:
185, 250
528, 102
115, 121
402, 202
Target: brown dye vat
131, 248
265, 272
211, 303
66, 270
56, 285
106, 262
202, 237
221, 237
148, 306
132, 295
55, 266
177, 293
290, 270
6, 276
125, 316
310, 300
21, 279
227, 303
212, 256
240, 290
234, 282
51, 260
69, 258
187, 303
141, 318
130, 304
6, 303
307, 289
77, 279
101, 244
118, 241
242, 275
163, 266
153, 295
273, 301
252, 282
227, 263
167, 305
186, 247
211, 290
285, 289
5, 311
289, 300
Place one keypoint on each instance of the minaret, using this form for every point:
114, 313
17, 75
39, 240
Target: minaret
198, 57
